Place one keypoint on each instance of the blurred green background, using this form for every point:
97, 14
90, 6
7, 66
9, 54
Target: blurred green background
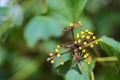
30, 29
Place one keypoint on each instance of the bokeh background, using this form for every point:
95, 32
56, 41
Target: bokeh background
30, 29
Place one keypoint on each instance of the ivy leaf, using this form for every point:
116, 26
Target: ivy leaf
111, 46
85, 69
2, 56
49, 48
77, 7
71, 9
108, 20
4, 11
62, 70
78, 69
87, 24
65, 58
41, 28
28, 69
62, 20
63, 9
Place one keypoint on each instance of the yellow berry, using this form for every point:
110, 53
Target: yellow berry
56, 50
61, 63
83, 36
79, 41
83, 69
71, 24
83, 50
58, 55
88, 62
85, 56
80, 23
85, 43
91, 45
87, 37
86, 30
52, 61
75, 42
94, 37
96, 42
90, 33
51, 54
82, 32
58, 46
77, 35
80, 48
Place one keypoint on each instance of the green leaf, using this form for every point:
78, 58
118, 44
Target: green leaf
40, 7
16, 15
87, 24
77, 68
41, 28
37, 6
85, 69
4, 11
2, 56
64, 58
109, 70
4, 26
62, 70
77, 7
28, 69
108, 20
60, 6
49, 46
62, 20
71, 9
111, 46
94, 6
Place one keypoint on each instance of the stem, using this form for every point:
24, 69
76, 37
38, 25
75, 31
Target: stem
96, 52
65, 46
74, 65
92, 75
66, 51
91, 43
72, 34
50, 58
104, 59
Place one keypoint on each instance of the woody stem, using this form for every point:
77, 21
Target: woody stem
72, 34
50, 58
66, 51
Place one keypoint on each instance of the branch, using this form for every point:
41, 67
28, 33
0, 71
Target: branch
92, 75
72, 32
96, 52
50, 58
104, 59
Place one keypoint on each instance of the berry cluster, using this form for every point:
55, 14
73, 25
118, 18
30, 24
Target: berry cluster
55, 55
78, 48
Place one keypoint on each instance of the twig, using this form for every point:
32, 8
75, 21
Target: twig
104, 59
72, 34
92, 75
96, 52
50, 58
66, 51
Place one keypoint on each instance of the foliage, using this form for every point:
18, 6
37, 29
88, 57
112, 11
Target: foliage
30, 29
